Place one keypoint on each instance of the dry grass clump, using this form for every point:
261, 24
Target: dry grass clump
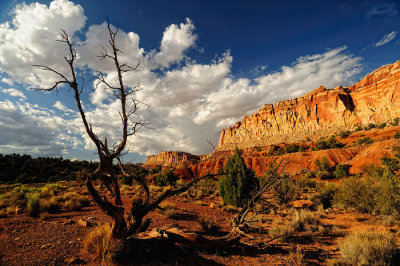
33, 204
305, 221
375, 248
74, 201
297, 256
168, 209
100, 243
281, 229
50, 205
209, 225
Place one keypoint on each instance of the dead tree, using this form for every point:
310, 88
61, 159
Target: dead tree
123, 228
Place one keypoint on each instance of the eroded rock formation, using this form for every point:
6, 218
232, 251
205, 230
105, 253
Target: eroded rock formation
320, 113
171, 159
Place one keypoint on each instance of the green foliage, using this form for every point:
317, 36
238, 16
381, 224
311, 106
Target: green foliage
396, 121
325, 194
374, 248
325, 169
155, 170
134, 170
33, 204
344, 134
381, 125
275, 151
397, 135
377, 193
167, 178
359, 128
342, 170
330, 143
238, 182
365, 140
370, 126
287, 191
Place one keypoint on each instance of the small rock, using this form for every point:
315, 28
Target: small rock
45, 246
16, 238
212, 205
84, 223
69, 221
75, 260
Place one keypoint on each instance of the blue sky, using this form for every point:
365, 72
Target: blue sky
204, 65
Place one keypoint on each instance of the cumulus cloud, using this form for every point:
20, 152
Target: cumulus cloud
7, 81
27, 128
189, 102
176, 39
386, 39
30, 39
14, 92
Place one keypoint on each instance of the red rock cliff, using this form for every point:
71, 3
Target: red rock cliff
171, 159
320, 113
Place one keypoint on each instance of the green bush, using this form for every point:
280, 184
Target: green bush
344, 134
375, 248
238, 182
325, 194
370, 126
365, 140
381, 125
276, 150
396, 121
377, 193
325, 169
167, 178
33, 204
330, 143
287, 190
342, 170
397, 135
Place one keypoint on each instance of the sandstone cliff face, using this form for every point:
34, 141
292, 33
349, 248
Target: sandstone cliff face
320, 113
171, 159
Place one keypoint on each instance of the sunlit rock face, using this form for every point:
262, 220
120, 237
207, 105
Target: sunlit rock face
320, 113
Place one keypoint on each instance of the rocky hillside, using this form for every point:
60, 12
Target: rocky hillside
320, 113
171, 159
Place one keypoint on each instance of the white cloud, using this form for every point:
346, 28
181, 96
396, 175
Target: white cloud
29, 39
60, 106
7, 81
176, 39
27, 128
386, 39
14, 92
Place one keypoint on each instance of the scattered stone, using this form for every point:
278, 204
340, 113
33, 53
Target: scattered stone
212, 205
84, 223
75, 260
69, 221
45, 246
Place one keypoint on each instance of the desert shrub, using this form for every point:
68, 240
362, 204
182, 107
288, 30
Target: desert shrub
281, 229
167, 178
276, 150
287, 190
238, 182
306, 182
344, 134
292, 148
396, 121
358, 128
50, 205
397, 135
100, 242
209, 225
155, 170
381, 125
370, 126
206, 187
33, 204
168, 209
365, 140
74, 201
330, 143
305, 220
357, 193
325, 169
325, 194
342, 170
374, 248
